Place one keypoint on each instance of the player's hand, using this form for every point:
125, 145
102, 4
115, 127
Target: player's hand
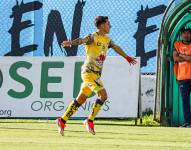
66, 43
131, 60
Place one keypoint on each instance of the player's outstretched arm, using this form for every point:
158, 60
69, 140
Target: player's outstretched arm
88, 39
119, 50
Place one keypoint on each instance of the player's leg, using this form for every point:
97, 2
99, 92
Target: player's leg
97, 87
85, 91
73, 107
102, 97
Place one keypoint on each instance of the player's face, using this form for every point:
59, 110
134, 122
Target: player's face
186, 36
106, 27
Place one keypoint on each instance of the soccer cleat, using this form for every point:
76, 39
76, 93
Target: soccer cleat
61, 125
89, 126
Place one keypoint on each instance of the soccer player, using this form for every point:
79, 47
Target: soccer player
96, 46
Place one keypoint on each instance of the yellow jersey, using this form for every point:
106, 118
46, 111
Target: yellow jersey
96, 51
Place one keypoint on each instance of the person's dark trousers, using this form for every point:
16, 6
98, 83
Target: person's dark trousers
185, 89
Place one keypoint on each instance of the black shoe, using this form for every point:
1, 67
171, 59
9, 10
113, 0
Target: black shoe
186, 125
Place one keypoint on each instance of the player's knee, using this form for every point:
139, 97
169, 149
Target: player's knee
103, 97
81, 99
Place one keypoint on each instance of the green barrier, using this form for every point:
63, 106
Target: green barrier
167, 89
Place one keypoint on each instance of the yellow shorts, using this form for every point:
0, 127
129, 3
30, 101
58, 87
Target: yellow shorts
91, 83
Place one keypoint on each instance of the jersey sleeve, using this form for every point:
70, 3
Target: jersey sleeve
176, 46
90, 38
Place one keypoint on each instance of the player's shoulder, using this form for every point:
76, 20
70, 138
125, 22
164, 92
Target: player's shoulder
108, 37
96, 34
93, 34
177, 44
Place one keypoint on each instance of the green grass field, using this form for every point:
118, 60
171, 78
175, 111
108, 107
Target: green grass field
111, 135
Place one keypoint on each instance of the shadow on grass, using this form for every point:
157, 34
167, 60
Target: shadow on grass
72, 131
147, 122
81, 123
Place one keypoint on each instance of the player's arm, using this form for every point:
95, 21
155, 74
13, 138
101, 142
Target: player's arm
185, 57
177, 57
119, 50
86, 40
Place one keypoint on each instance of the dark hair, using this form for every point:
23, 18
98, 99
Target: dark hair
185, 30
100, 20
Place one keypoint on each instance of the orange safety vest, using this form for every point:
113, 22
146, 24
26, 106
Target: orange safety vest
182, 70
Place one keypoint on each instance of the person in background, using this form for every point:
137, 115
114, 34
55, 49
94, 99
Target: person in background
182, 58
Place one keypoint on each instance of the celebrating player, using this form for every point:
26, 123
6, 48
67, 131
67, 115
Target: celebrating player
96, 46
